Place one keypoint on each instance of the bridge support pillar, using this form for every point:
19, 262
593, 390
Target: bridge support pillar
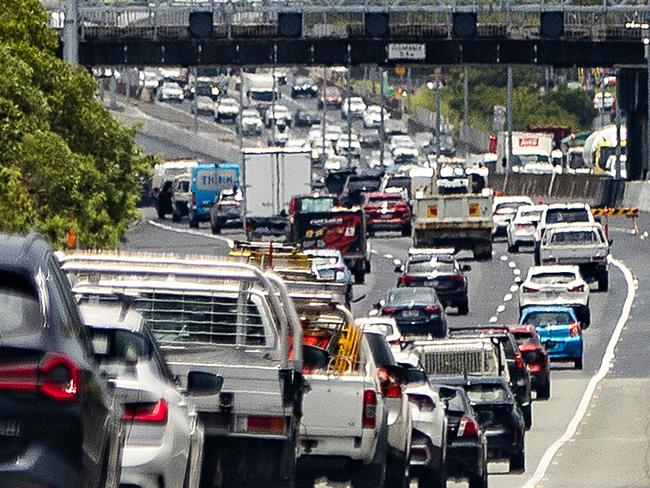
633, 98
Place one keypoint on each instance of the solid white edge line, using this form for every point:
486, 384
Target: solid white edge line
605, 366
230, 242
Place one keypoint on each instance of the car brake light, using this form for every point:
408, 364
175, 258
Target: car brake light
519, 359
527, 289
523, 226
369, 409
578, 288
388, 310
423, 402
55, 376
407, 279
154, 413
432, 308
393, 390
458, 278
467, 428
395, 342
574, 329
265, 424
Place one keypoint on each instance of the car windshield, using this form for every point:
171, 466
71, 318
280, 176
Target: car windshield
524, 339
406, 296
569, 238
487, 394
19, 302
553, 278
529, 214
508, 207
556, 216
543, 319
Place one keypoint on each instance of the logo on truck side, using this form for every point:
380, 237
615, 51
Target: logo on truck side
528, 142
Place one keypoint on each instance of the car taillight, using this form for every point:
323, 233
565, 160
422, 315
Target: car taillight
392, 390
523, 226
527, 289
369, 409
423, 402
578, 288
193, 200
395, 342
153, 413
575, 330
519, 360
265, 424
432, 308
457, 278
55, 376
407, 279
388, 310
467, 427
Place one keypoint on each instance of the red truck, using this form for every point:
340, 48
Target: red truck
387, 211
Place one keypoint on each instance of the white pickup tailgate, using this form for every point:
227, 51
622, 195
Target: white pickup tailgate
454, 208
333, 406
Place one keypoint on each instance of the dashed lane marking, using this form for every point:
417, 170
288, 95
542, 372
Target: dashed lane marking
493, 319
512, 265
514, 288
507, 297
503, 257
501, 308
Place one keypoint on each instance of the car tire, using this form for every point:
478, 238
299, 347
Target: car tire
359, 276
544, 391
603, 282
406, 231
176, 217
518, 462
216, 229
528, 416
479, 480
371, 233
367, 266
370, 476
513, 248
194, 222
397, 472
463, 308
577, 364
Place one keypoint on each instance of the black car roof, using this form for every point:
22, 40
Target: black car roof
23, 251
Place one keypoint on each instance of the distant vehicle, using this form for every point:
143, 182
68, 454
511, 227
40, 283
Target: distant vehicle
164, 440
405, 155
251, 123
603, 102
348, 147
521, 229
498, 416
401, 140
370, 140
387, 211
227, 109
333, 133
584, 245
467, 450
329, 265
208, 180
372, 117
226, 211
278, 115
558, 213
278, 136
306, 118
417, 311
167, 171
441, 272
353, 107
536, 358
531, 151
559, 330
61, 424
556, 285
393, 127
304, 87
330, 97
181, 197
203, 105
171, 92
503, 211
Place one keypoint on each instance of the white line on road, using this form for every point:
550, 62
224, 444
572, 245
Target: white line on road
507, 297
516, 272
503, 258
605, 365
389, 256
230, 242
501, 308
514, 288
512, 265
493, 319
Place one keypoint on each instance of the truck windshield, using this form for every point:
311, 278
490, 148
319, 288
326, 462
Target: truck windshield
314, 205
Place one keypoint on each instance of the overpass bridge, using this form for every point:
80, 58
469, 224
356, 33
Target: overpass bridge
560, 33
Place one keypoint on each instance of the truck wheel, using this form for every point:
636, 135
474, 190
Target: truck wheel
359, 276
434, 479
518, 462
479, 480
406, 231
370, 476
194, 222
603, 282
483, 252
216, 229
463, 308
513, 247
538, 259
544, 391
176, 217
367, 266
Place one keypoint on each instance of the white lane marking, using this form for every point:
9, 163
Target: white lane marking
372, 251
501, 308
389, 256
518, 279
605, 365
514, 288
193, 232
493, 319
507, 297
503, 258
512, 265
623, 230
516, 272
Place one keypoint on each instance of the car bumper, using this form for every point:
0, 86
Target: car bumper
465, 458
39, 464
500, 228
388, 224
565, 350
424, 456
526, 239
452, 297
500, 444
145, 466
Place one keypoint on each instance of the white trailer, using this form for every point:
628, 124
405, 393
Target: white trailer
531, 151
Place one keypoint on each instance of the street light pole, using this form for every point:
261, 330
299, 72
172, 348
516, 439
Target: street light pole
437, 92
382, 133
323, 154
618, 127
465, 98
509, 120
71, 32
646, 42
347, 101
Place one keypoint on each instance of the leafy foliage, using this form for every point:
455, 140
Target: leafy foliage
65, 163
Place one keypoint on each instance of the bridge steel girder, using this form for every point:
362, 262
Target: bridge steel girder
314, 52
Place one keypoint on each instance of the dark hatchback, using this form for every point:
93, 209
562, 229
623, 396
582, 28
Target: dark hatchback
417, 311
520, 380
60, 424
467, 449
499, 417
444, 274
304, 87
306, 118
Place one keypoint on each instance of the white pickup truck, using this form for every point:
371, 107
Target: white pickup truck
228, 318
581, 244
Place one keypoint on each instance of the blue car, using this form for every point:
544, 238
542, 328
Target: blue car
559, 330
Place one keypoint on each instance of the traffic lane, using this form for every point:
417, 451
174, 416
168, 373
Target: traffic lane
156, 146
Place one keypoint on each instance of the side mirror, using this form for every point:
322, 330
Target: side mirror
200, 383
610, 241
466, 267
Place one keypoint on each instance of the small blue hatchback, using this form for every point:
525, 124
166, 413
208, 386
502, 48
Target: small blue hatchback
559, 330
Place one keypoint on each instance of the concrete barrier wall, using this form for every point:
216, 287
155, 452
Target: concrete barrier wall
637, 194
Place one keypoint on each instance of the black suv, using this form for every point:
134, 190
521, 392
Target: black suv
58, 415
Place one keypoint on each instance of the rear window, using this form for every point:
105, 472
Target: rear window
542, 319
556, 216
553, 278
431, 267
487, 394
315, 205
386, 198
567, 238
380, 350
19, 302
508, 207
403, 296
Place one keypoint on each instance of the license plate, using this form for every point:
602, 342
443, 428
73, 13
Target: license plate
10, 428
410, 313
552, 294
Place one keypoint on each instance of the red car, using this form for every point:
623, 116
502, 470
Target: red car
535, 357
387, 211
330, 97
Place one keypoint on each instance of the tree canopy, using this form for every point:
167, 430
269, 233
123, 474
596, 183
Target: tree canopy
65, 163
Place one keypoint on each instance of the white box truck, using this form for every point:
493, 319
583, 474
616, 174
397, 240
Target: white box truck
531, 152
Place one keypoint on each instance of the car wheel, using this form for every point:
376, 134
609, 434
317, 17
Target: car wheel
544, 391
406, 231
370, 476
463, 308
216, 229
397, 472
528, 416
359, 276
479, 480
176, 217
577, 364
603, 283
194, 222
518, 462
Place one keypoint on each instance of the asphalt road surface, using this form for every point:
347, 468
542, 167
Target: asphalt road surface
609, 447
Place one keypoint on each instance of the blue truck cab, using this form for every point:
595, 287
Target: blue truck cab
559, 330
207, 181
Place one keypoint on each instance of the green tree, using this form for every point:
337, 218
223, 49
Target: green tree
65, 163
